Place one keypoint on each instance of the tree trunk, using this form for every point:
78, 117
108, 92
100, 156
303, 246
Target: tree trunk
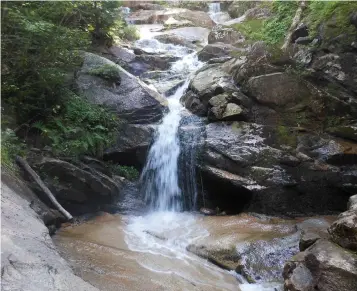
294, 24
24, 165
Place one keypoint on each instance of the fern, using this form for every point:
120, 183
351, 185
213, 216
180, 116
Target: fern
81, 128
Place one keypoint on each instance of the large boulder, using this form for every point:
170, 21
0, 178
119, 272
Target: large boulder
207, 82
133, 141
196, 35
323, 266
132, 99
78, 187
274, 170
344, 230
225, 34
164, 81
174, 39
277, 89
216, 50
197, 18
193, 18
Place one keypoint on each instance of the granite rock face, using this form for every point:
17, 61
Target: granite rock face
29, 259
132, 99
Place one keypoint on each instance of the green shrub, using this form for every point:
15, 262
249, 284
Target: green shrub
273, 29
11, 146
127, 172
130, 32
79, 128
107, 72
338, 12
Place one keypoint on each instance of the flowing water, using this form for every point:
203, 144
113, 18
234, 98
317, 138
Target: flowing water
216, 14
149, 251
160, 174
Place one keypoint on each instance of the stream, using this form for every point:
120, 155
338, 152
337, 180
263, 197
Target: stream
148, 251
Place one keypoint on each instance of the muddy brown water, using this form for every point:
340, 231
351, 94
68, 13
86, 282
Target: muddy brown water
118, 252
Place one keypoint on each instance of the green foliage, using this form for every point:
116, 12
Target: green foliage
41, 48
38, 55
127, 172
107, 72
11, 146
273, 29
251, 28
335, 14
130, 33
276, 27
79, 128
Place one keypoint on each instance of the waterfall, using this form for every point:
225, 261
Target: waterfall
190, 132
160, 176
214, 7
216, 14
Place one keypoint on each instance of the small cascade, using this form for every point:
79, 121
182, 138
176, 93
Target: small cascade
160, 176
191, 138
216, 14
214, 7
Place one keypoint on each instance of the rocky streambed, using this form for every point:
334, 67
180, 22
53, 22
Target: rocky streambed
261, 146
183, 251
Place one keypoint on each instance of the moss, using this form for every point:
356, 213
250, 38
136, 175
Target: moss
236, 126
251, 29
286, 136
130, 33
347, 132
273, 29
107, 72
127, 172
334, 15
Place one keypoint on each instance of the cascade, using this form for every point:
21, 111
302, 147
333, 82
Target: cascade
160, 176
214, 7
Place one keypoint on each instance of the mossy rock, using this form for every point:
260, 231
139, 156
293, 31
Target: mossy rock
107, 72
348, 132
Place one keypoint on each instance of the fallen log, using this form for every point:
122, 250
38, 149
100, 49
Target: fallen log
26, 167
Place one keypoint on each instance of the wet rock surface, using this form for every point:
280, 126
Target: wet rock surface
261, 168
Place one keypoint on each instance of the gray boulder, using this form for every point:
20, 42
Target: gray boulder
344, 230
216, 50
79, 187
133, 100
174, 39
279, 89
225, 34
225, 107
133, 141
323, 266
273, 170
209, 81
